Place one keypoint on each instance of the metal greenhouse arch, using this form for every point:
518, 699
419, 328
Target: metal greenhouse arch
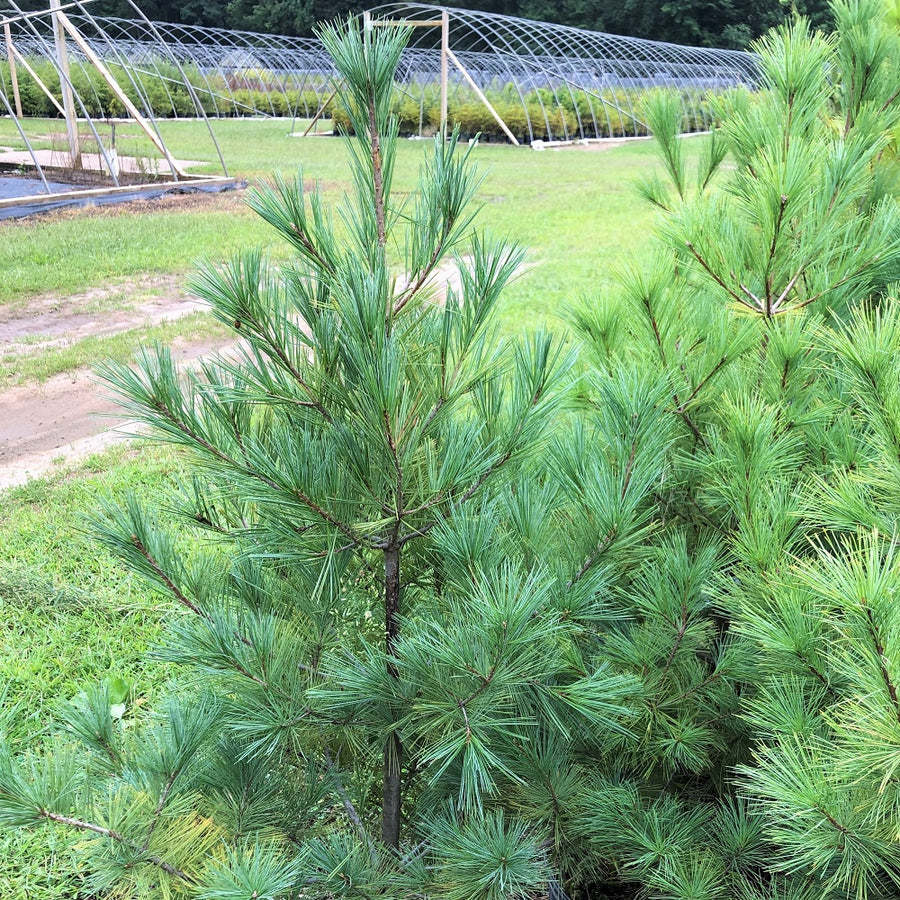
533, 80
597, 77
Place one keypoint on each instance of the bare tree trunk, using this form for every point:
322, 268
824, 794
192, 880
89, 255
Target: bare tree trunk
393, 749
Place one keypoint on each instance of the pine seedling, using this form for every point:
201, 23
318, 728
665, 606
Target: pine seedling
767, 316
363, 423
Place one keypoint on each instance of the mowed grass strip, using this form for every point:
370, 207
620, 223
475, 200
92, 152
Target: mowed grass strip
573, 209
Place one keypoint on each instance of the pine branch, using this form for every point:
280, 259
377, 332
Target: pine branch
166, 580
154, 821
691, 424
425, 273
655, 326
679, 637
189, 433
833, 821
119, 838
181, 598
839, 283
776, 306
773, 247
601, 548
757, 304
626, 480
879, 649
349, 808
82, 825
466, 496
714, 676
277, 351
719, 281
702, 383
313, 252
485, 682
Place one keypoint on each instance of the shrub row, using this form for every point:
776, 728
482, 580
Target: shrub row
165, 96
540, 114
550, 118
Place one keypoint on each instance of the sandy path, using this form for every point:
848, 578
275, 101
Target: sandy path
70, 416
48, 322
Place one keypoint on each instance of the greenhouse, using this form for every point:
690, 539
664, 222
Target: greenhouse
505, 78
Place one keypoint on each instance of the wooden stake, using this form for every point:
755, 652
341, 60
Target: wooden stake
320, 113
12, 70
120, 94
446, 55
65, 84
480, 94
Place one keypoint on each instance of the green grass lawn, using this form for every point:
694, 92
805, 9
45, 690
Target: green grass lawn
573, 209
71, 616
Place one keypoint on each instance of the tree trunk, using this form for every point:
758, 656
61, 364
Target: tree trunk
393, 749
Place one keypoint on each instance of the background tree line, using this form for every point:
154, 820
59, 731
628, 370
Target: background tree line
707, 23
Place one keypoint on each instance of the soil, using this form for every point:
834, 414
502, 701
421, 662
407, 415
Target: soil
70, 416
227, 201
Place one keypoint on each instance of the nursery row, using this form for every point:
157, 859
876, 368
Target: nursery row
181, 92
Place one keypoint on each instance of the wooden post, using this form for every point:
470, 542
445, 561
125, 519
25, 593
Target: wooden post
445, 51
62, 57
447, 55
480, 94
13, 77
120, 94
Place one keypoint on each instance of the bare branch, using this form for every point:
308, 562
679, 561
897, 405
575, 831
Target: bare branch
718, 279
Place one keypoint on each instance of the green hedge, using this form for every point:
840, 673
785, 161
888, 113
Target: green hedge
165, 95
553, 116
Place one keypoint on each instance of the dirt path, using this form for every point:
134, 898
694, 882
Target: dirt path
70, 416
51, 321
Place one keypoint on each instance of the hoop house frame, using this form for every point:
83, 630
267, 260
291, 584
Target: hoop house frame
555, 82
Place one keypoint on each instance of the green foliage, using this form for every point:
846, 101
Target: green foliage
694, 22
170, 92
539, 114
779, 485
325, 472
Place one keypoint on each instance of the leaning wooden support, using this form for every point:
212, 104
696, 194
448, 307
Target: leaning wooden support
480, 94
444, 24
446, 55
13, 77
120, 94
37, 80
320, 112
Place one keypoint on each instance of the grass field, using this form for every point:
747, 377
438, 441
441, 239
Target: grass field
71, 616
572, 208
